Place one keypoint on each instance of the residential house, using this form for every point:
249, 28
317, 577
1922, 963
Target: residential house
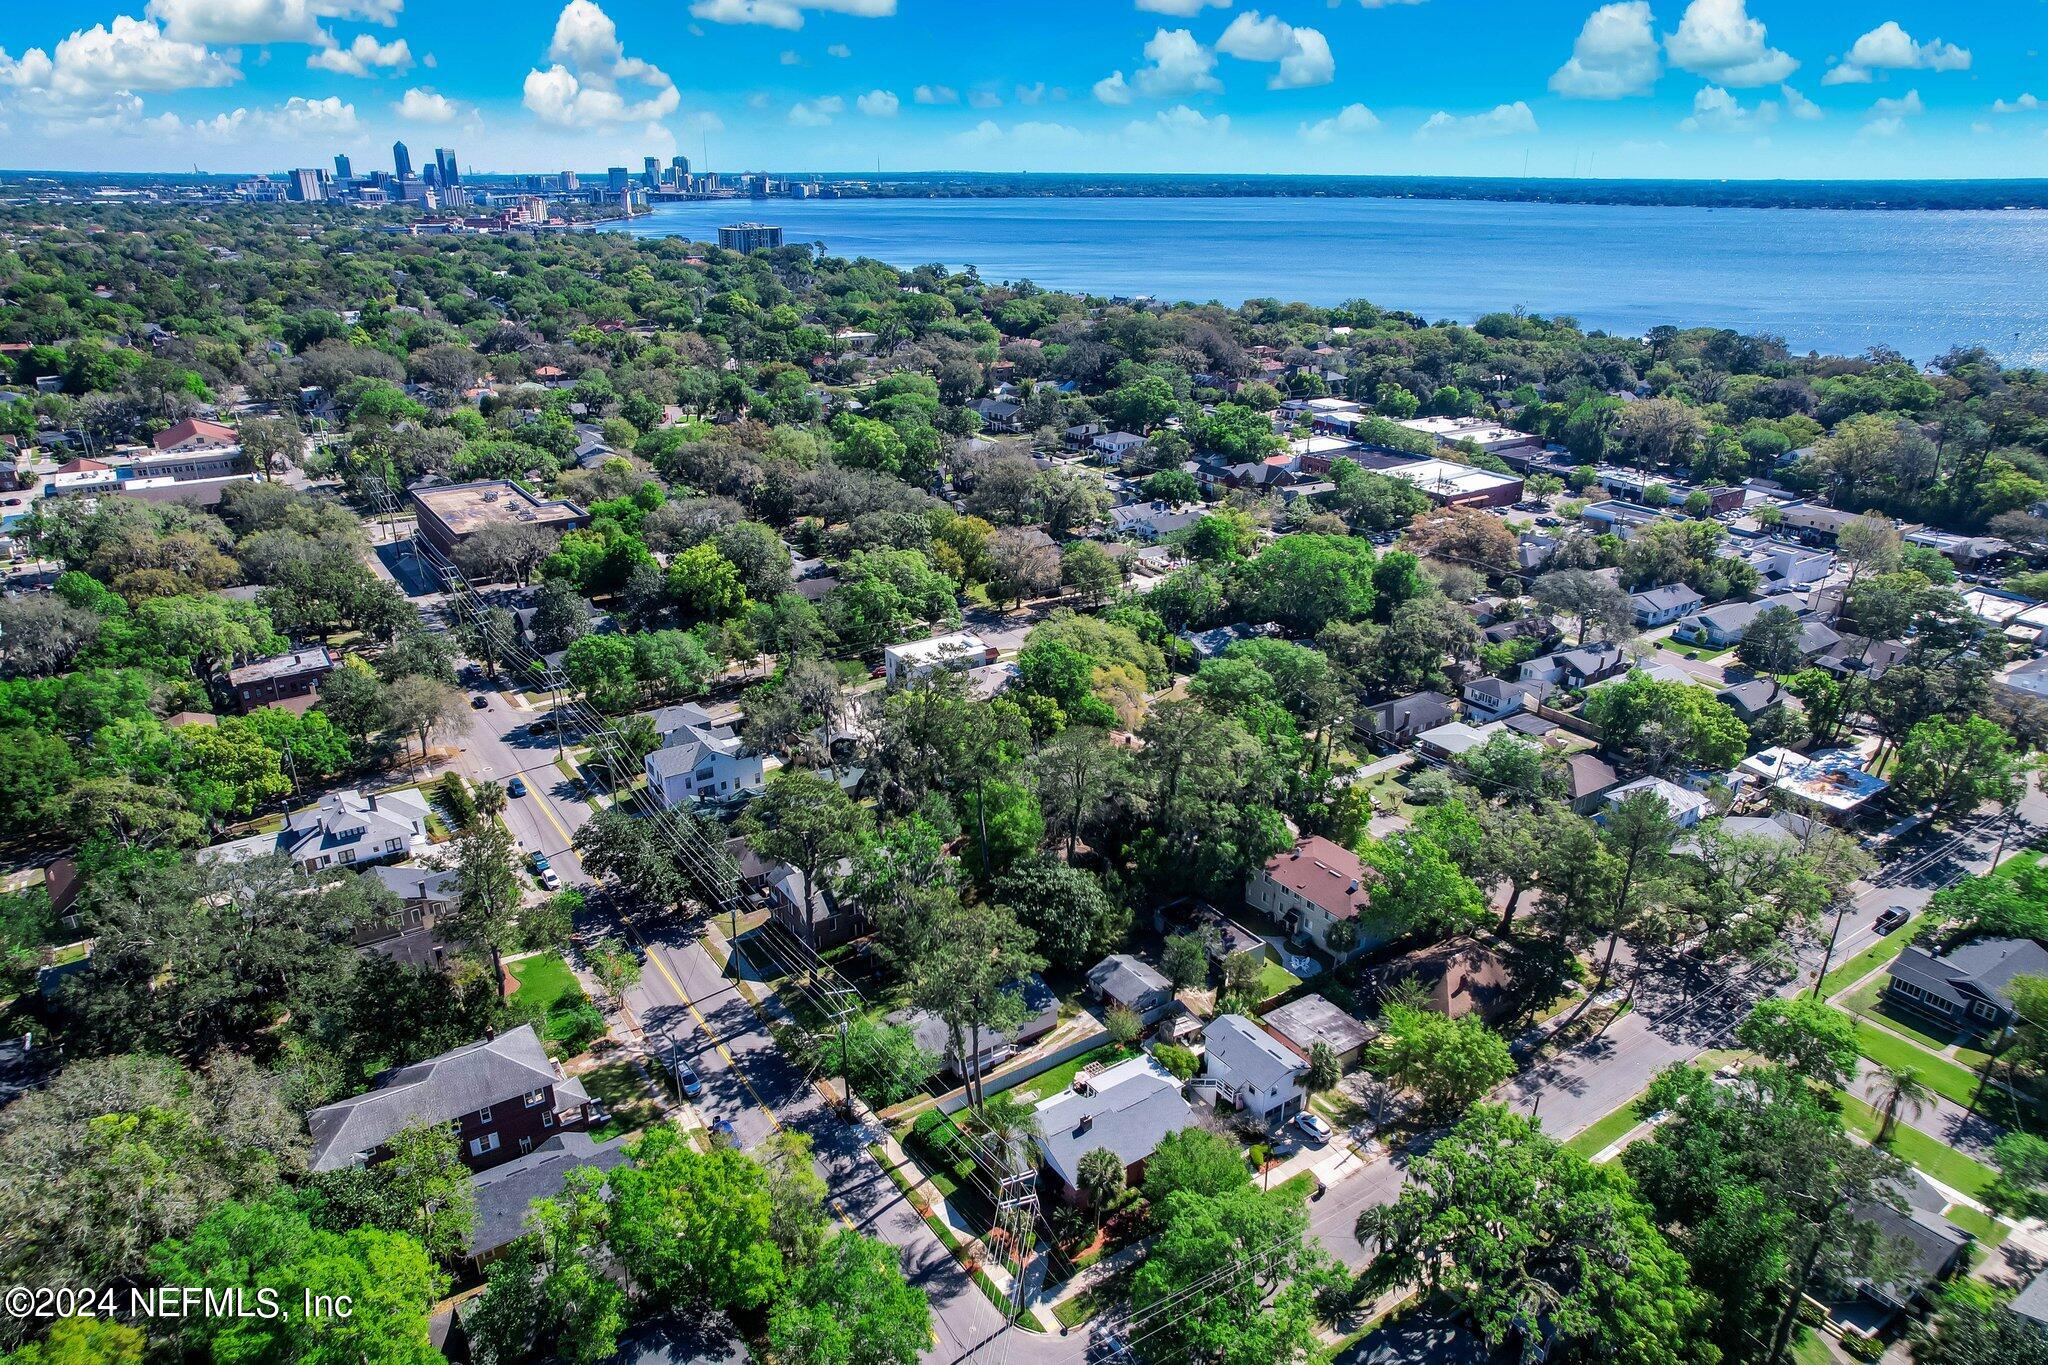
1831, 783
1083, 436
1934, 1250
280, 679
1310, 1019
959, 651
1311, 889
1687, 808
426, 896
1721, 626
1780, 564
1587, 779
1576, 669
829, 920
1121, 979
1154, 521
998, 414
1491, 699
1453, 738
502, 1096
1661, 606
1128, 1109
1966, 552
1116, 444
1751, 699
1459, 977
1253, 1070
1041, 1016
345, 829
699, 759
1968, 987
1394, 723
505, 1194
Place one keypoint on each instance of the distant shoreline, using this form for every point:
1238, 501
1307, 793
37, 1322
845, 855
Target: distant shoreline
1972, 196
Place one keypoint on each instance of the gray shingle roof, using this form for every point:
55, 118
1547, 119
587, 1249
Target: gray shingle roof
504, 1193
1249, 1053
1134, 1105
1987, 964
1123, 977
438, 1090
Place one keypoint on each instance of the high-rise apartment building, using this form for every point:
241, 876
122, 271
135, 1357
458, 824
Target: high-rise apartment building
750, 237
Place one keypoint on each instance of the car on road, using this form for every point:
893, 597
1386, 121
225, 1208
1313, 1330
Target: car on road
517, 786
479, 702
1892, 919
549, 879
687, 1079
1313, 1127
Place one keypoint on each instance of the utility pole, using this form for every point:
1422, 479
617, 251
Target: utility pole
1841, 913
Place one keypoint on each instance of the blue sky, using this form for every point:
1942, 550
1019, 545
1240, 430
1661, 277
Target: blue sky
1707, 88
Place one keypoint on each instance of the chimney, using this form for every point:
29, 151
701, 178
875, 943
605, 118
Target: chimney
1087, 1122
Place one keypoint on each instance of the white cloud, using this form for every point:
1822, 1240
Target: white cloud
935, 94
130, 55
839, 50
1181, 9
1714, 110
298, 117
879, 104
1031, 94
1718, 39
1890, 48
1180, 121
1615, 55
984, 99
1031, 135
1178, 65
423, 104
1909, 105
786, 14
363, 57
816, 113
1113, 89
1800, 107
1353, 120
791, 58
2025, 104
1503, 120
581, 88
264, 21
1303, 53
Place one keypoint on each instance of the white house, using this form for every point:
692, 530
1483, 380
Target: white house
909, 662
346, 829
1253, 1069
1117, 443
1687, 808
699, 760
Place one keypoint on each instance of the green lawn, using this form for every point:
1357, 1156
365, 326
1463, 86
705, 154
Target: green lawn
1871, 1001
1050, 1083
1942, 1076
1081, 1307
1811, 1349
1596, 1138
1862, 965
543, 979
619, 1088
1914, 1147
1275, 979
1987, 1230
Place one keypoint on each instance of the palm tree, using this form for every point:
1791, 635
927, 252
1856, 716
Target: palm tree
1898, 1088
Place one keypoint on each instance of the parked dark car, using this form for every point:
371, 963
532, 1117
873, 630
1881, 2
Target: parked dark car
1892, 919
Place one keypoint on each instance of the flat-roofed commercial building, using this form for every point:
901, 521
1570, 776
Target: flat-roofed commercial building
450, 513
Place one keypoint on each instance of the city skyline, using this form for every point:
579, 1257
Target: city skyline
1742, 89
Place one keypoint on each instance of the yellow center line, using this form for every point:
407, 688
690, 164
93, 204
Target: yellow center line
704, 1024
